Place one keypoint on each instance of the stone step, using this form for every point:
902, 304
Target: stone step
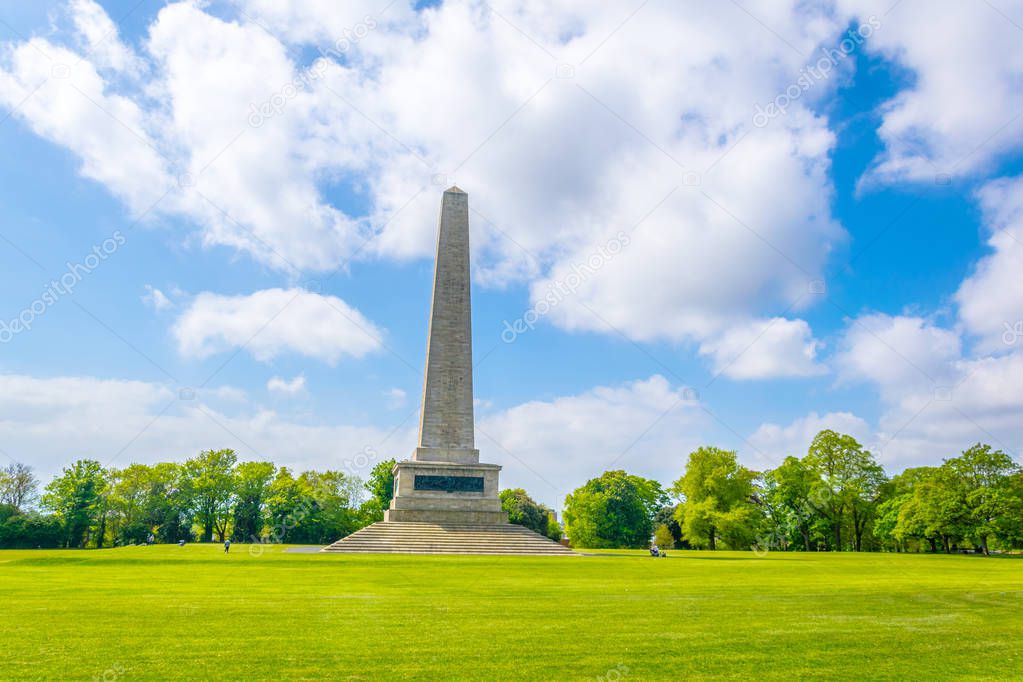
427, 538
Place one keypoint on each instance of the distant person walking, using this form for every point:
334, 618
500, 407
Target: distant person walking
227, 546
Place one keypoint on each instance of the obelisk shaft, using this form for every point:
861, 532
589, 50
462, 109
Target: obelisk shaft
446, 420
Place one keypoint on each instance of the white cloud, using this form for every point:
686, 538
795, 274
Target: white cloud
765, 349
774, 442
48, 423
589, 155
396, 398
991, 299
281, 385
966, 61
270, 322
898, 354
156, 298
551, 447
937, 402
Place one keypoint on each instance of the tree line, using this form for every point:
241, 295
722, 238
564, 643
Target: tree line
210, 497
836, 498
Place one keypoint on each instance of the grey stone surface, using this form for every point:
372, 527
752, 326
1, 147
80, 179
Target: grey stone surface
446, 419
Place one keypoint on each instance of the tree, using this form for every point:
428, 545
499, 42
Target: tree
554, 530
169, 504
29, 530
662, 537
75, 498
381, 488
18, 486
840, 463
129, 502
615, 510
788, 491
862, 494
524, 510
251, 488
210, 478
979, 478
717, 494
314, 507
665, 516
895, 523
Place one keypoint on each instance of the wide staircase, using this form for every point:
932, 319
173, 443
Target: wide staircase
428, 538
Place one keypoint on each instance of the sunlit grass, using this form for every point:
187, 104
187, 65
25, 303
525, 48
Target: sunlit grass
195, 613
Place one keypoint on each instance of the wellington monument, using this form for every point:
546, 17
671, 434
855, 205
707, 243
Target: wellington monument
446, 500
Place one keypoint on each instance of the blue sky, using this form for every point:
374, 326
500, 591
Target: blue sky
848, 265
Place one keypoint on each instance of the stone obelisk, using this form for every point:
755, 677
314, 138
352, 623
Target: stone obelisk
444, 481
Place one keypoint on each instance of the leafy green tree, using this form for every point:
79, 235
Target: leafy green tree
788, 493
979, 477
615, 510
129, 499
75, 498
663, 537
29, 530
841, 465
1009, 524
665, 516
210, 478
381, 489
169, 505
18, 486
554, 530
718, 500
524, 510
252, 480
314, 507
896, 525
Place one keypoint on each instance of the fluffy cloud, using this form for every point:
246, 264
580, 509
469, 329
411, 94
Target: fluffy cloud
286, 387
273, 321
765, 349
548, 447
937, 402
961, 110
551, 447
898, 354
49, 423
156, 298
774, 442
991, 299
553, 130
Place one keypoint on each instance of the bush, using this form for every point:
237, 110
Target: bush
31, 531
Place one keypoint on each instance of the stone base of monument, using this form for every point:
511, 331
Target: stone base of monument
445, 492
393, 537
446, 508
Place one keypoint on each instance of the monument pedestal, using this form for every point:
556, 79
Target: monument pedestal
445, 493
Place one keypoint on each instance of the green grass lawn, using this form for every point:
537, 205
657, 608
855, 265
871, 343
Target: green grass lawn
195, 613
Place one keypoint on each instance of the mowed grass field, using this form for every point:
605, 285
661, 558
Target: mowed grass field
164, 612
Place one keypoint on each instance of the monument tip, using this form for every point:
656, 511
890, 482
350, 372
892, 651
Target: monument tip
454, 189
